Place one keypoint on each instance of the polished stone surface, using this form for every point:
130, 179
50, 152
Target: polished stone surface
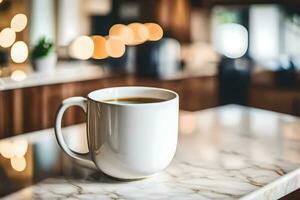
65, 72
230, 152
79, 71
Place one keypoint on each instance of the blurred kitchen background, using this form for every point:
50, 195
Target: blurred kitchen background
213, 52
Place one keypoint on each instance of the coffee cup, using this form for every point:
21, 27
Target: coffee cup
131, 131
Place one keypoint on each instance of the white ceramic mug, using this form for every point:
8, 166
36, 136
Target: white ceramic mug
126, 141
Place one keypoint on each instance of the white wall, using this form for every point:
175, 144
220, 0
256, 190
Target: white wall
42, 21
69, 13
292, 39
264, 31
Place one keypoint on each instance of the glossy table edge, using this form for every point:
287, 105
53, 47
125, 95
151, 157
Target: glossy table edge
277, 185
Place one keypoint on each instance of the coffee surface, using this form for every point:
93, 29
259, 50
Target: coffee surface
135, 100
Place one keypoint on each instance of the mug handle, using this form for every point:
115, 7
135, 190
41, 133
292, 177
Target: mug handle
72, 101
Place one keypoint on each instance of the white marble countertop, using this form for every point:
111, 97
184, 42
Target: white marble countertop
230, 152
64, 72
79, 71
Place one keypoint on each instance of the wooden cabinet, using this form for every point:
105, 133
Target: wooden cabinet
34, 108
275, 99
265, 93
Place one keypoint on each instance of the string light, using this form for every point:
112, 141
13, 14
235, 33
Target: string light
99, 47
18, 22
114, 47
140, 33
19, 52
6, 149
122, 31
155, 31
20, 147
7, 37
18, 163
82, 48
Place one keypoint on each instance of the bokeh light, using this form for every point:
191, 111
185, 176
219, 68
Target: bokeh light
6, 149
99, 47
82, 48
20, 147
19, 52
155, 31
232, 40
114, 46
140, 33
18, 22
18, 75
18, 163
122, 31
7, 37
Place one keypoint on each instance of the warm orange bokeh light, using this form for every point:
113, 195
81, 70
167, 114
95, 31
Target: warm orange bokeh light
140, 33
82, 48
114, 46
155, 31
122, 31
99, 47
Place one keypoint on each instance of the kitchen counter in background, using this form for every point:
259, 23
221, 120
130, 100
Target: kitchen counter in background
80, 71
265, 92
31, 104
230, 152
65, 72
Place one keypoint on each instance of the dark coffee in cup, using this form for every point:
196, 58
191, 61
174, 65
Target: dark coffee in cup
134, 100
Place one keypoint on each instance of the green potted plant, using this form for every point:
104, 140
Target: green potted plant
43, 56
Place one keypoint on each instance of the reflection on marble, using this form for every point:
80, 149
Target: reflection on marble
215, 159
14, 151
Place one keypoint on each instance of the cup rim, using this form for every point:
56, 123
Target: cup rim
176, 96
